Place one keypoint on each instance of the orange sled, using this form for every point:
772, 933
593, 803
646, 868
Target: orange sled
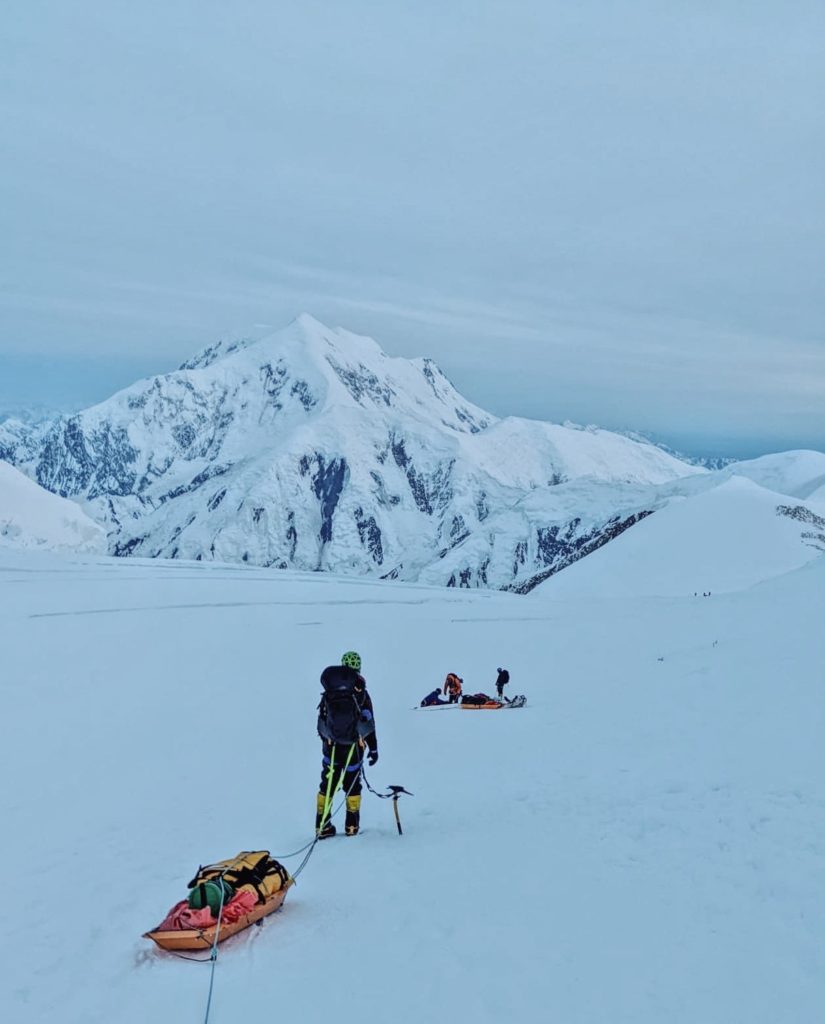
490, 705
203, 938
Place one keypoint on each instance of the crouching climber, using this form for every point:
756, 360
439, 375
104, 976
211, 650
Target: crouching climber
347, 729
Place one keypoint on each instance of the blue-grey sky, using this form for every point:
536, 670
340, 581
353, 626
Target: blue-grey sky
608, 212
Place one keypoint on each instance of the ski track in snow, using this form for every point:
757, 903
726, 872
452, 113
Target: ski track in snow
643, 842
210, 604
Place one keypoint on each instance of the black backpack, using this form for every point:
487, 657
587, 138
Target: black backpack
339, 712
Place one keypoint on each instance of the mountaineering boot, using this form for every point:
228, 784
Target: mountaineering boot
353, 818
328, 829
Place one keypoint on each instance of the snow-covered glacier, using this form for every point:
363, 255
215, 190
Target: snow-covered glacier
310, 448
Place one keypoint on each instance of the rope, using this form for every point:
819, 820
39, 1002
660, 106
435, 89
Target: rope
328, 815
193, 959
394, 791
383, 796
393, 794
330, 796
214, 954
288, 856
309, 847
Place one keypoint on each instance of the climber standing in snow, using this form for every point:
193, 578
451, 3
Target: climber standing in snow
452, 687
502, 680
347, 729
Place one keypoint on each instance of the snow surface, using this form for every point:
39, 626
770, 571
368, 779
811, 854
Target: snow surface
32, 517
643, 843
727, 538
797, 473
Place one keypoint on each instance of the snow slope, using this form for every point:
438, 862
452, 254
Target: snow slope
644, 842
800, 474
726, 538
816, 499
31, 517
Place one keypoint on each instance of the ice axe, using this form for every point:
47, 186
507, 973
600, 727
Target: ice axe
396, 792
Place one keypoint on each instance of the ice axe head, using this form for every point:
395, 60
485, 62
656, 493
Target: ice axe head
397, 790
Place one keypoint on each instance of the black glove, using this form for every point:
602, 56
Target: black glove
372, 758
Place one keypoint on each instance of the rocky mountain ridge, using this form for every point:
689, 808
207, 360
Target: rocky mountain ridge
311, 448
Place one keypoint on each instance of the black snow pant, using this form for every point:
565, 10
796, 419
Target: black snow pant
333, 772
334, 758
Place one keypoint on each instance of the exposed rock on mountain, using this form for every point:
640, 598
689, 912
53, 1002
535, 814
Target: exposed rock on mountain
311, 448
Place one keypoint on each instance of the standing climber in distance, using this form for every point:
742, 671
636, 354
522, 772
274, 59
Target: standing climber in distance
452, 687
501, 682
347, 727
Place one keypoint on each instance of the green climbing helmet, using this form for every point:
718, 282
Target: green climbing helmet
352, 660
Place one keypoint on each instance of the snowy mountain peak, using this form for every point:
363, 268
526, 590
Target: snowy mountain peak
310, 447
328, 367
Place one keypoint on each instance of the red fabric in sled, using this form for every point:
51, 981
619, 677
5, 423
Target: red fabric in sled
182, 917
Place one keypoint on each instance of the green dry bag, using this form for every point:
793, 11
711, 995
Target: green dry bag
208, 894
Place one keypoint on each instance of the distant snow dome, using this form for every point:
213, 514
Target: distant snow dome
31, 517
799, 474
729, 537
